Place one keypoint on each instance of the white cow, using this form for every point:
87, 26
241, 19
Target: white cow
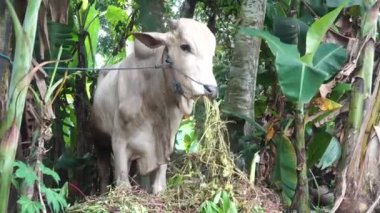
140, 110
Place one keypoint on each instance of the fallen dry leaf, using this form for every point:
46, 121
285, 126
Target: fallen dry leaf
325, 104
270, 133
326, 89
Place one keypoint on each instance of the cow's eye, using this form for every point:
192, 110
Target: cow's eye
186, 48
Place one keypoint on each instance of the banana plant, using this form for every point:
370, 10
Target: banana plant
9, 129
300, 77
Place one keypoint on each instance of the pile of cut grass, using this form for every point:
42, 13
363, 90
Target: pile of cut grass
194, 178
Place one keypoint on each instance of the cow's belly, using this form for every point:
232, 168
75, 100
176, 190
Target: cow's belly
141, 144
141, 140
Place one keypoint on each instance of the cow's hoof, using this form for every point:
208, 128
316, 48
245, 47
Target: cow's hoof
158, 189
123, 184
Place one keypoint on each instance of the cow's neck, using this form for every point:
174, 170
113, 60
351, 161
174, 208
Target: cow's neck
173, 86
162, 105
157, 88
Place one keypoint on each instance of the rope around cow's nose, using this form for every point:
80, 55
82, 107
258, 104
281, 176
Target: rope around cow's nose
170, 64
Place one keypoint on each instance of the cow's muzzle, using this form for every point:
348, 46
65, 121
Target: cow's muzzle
211, 91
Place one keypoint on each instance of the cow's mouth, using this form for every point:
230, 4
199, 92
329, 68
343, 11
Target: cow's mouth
185, 105
211, 92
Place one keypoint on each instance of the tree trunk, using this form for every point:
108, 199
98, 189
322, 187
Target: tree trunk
83, 144
211, 23
241, 87
188, 8
151, 15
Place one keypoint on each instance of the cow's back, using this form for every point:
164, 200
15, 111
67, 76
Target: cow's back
124, 85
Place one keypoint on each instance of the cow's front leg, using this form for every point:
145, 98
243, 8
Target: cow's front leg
159, 182
121, 159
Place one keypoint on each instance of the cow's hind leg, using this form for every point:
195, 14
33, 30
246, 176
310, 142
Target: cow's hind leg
103, 149
159, 182
104, 169
122, 162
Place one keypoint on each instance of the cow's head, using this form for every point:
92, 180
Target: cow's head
190, 47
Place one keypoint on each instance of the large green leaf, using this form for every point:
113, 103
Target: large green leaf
68, 161
47, 171
63, 35
287, 29
329, 58
55, 199
186, 139
29, 206
339, 90
302, 36
336, 3
285, 171
25, 172
316, 33
317, 146
92, 27
114, 15
277, 47
331, 154
298, 81
317, 6
274, 9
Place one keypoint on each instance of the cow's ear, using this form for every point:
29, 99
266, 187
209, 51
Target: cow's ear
151, 40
